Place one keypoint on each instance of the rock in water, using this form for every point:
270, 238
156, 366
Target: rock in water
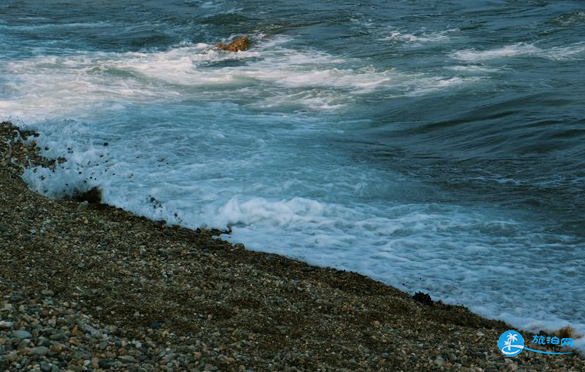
238, 45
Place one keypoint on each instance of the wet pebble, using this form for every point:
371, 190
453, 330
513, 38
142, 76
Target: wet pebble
127, 358
47, 292
39, 351
439, 361
45, 367
22, 334
6, 325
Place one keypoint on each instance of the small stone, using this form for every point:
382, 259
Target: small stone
22, 334
83, 206
76, 331
439, 361
6, 325
23, 345
3, 229
58, 337
210, 368
113, 330
12, 356
127, 358
105, 363
39, 350
155, 325
45, 367
47, 292
56, 348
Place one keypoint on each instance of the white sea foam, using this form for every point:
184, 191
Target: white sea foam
474, 69
420, 37
573, 51
269, 76
428, 85
515, 50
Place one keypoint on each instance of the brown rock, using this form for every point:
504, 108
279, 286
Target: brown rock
56, 348
76, 331
238, 45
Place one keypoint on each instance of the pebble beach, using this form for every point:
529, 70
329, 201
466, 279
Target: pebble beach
90, 287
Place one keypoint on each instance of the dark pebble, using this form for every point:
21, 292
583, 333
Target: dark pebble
156, 325
39, 351
45, 367
58, 336
105, 363
22, 334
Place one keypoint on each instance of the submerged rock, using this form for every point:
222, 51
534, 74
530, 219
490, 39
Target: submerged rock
238, 45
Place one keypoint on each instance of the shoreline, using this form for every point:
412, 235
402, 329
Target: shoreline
97, 288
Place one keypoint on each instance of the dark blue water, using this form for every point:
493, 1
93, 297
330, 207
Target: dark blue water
436, 146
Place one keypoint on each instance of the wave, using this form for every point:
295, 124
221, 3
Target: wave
575, 51
270, 76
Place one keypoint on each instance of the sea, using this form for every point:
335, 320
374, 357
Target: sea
436, 146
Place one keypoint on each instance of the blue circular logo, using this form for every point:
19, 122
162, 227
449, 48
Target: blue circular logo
511, 343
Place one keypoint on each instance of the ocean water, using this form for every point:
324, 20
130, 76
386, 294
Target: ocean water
434, 146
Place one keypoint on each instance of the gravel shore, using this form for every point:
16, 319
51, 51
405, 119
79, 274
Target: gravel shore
89, 287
